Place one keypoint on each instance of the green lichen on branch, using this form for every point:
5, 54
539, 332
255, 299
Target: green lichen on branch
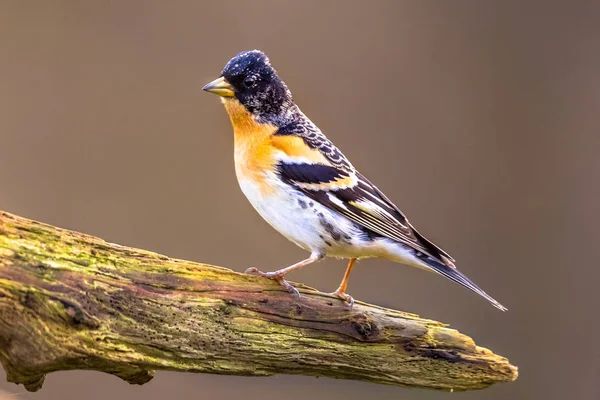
72, 301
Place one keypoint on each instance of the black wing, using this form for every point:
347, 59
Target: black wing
350, 194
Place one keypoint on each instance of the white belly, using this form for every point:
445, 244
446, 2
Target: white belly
316, 228
302, 220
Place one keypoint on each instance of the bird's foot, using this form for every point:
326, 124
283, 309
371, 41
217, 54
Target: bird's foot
276, 276
344, 296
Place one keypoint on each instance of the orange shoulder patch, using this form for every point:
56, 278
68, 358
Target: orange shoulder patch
294, 146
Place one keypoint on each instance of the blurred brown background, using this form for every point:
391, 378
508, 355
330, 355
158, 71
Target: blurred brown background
480, 119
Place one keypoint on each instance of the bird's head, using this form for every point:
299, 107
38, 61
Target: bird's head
249, 78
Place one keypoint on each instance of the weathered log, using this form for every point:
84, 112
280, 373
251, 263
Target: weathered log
72, 301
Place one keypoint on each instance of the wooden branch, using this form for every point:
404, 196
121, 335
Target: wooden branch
72, 301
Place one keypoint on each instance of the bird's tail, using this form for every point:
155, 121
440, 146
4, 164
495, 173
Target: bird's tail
458, 277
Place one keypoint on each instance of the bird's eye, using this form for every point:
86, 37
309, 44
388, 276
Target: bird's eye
250, 81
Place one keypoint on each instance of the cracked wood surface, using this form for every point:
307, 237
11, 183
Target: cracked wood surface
73, 301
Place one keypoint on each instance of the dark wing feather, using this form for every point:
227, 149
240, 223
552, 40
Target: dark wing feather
341, 188
309, 173
434, 250
353, 196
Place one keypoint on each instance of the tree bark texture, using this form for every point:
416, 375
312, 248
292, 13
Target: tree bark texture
73, 301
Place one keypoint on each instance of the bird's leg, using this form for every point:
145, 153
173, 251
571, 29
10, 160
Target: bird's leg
341, 291
280, 273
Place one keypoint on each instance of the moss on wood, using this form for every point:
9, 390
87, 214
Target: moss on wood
73, 301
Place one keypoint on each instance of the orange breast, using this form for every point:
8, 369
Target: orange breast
254, 152
256, 147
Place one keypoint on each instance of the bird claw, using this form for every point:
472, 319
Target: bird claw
276, 277
251, 270
256, 271
344, 296
289, 287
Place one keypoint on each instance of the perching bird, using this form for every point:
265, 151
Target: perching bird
306, 189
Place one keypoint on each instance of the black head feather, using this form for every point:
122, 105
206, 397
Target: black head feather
257, 86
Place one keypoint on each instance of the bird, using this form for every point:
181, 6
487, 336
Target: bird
307, 190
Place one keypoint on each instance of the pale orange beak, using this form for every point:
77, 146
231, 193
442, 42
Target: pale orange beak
220, 87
